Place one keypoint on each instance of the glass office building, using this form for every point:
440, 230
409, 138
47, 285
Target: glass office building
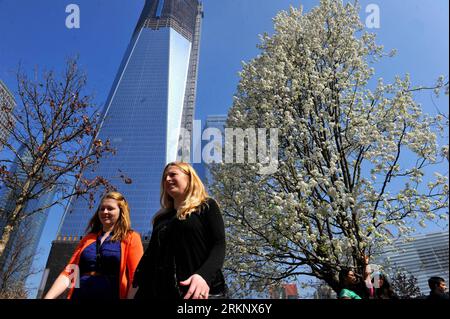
423, 256
24, 240
152, 98
213, 122
7, 104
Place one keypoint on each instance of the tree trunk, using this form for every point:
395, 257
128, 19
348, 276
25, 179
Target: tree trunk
11, 224
14, 218
333, 283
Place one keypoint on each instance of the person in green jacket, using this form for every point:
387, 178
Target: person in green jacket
347, 280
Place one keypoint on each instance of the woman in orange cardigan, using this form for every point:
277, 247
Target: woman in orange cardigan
103, 264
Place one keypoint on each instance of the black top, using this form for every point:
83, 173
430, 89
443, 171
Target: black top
361, 289
180, 248
437, 296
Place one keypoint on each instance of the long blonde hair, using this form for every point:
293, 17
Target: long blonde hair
196, 195
123, 224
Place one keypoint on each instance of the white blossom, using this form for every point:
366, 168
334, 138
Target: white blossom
350, 178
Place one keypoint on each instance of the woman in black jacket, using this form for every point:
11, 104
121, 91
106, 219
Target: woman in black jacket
187, 249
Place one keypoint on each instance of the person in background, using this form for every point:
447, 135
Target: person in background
437, 289
106, 258
383, 289
348, 282
354, 286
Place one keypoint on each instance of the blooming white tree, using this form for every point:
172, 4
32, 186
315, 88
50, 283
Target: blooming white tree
353, 156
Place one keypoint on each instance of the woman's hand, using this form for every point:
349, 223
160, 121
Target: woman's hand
59, 286
198, 288
366, 260
132, 292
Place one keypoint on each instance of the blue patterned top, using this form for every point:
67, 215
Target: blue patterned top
106, 285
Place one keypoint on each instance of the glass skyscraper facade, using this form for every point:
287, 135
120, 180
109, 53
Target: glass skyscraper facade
152, 99
24, 240
423, 256
213, 122
7, 104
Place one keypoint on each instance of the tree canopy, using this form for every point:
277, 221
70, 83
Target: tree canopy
354, 154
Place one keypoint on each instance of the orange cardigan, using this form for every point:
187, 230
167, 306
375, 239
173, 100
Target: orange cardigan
131, 250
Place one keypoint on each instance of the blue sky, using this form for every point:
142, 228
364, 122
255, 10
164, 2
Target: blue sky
34, 34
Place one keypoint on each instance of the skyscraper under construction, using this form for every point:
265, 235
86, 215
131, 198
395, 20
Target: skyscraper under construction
152, 99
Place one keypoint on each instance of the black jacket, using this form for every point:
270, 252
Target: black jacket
180, 248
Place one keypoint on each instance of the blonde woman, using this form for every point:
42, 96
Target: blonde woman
103, 264
187, 249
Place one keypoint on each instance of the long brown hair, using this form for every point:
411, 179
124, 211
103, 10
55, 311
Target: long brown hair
196, 195
123, 224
